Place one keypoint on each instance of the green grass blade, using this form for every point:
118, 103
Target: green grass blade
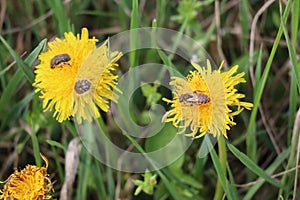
10, 88
292, 53
222, 159
233, 190
295, 22
178, 38
261, 84
18, 76
110, 183
251, 140
286, 179
58, 164
258, 67
70, 127
36, 150
294, 97
60, 15
252, 166
259, 87
56, 144
31, 58
199, 167
16, 110
161, 9
99, 180
122, 15
244, 19
165, 59
134, 24
24, 66
109, 153
293, 101
83, 174
277, 162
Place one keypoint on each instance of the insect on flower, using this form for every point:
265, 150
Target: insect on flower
208, 107
59, 60
82, 86
194, 98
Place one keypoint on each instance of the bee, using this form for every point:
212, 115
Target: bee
82, 86
59, 60
194, 98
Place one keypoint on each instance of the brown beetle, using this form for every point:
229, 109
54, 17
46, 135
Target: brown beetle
82, 86
59, 60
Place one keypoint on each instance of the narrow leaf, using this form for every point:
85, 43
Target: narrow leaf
252, 166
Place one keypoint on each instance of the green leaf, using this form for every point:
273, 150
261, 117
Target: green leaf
292, 53
56, 144
31, 58
187, 179
18, 76
252, 166
60, 14
99, 180
16, 110
23, 65
258, 67
277, 162
233, 190
36, 150
294, 97
244, 19
259, 88
83, 174
165, 58
134, 34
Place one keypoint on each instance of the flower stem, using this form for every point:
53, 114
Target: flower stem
223, 160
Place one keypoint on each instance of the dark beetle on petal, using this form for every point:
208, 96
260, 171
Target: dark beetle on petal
59, 60
82, 86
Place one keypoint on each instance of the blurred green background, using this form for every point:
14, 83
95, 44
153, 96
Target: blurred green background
262, 37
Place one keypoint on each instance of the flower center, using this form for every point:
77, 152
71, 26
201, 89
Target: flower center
82, 86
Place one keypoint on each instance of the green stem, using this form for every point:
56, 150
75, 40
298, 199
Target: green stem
223, 160
109, 173
173, 51
178, 38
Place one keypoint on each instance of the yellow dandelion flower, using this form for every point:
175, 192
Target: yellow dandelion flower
75, 77
31, 183
202, 103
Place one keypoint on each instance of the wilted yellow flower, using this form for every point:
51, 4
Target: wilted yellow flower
31, 183
203, 102
75, 77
